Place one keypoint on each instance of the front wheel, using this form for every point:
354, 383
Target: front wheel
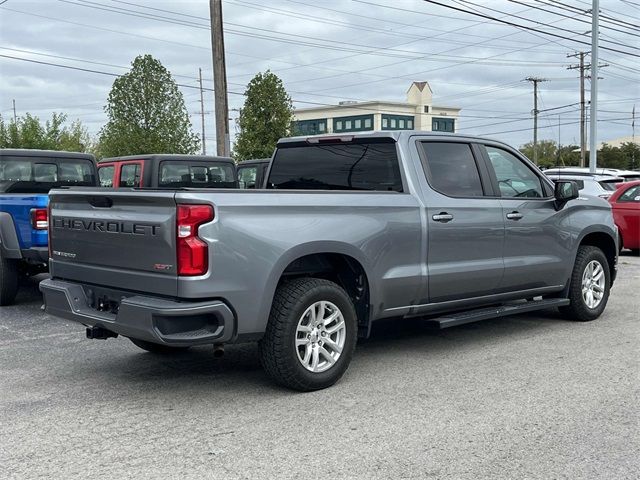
589, 287
310, 336
9, 280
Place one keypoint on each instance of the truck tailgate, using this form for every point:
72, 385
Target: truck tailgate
124, 239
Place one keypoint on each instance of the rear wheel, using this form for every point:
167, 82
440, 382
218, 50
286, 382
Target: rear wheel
589, 287
311, 334
8, 280
156, 347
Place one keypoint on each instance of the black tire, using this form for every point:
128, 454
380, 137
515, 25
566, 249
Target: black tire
9, 280
278, 351
635, 252
157, 348
578, 310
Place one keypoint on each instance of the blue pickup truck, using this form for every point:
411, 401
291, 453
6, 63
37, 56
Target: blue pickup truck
26, 176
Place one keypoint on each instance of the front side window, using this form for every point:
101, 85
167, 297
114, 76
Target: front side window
631, 195
130, 175
345, 166
106, 175
451, 169
515, 178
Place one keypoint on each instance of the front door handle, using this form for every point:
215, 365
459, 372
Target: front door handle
443, 217
514, 215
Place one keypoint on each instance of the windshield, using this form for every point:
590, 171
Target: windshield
40, 174
353, 166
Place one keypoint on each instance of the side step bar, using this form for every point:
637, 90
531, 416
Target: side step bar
460, 318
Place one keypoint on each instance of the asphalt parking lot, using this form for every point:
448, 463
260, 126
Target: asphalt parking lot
530, 396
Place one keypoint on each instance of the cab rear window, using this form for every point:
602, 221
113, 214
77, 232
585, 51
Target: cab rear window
369, 166
209, 175
40, 174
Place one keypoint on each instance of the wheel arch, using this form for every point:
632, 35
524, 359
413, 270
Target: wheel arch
341, 263
605, 242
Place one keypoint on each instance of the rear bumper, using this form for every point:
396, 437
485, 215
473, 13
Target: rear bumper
153, 319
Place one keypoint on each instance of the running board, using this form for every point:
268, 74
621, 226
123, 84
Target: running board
460, 318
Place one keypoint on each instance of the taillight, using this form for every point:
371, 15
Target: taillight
49, 230
39, 218
193, 253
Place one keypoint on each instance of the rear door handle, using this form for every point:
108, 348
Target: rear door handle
443, 217
514, 216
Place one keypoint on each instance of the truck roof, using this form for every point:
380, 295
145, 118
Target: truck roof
166, 156
28, 152
396, 135
254, 161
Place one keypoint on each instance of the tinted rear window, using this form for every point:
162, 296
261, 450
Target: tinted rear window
184, 174
609, 185
40, 174
354, 166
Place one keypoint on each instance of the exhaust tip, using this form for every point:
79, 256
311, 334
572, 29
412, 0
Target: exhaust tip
218, 350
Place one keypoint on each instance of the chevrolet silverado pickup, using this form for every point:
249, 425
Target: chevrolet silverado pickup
349, 229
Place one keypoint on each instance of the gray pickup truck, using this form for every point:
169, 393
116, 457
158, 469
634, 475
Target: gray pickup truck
349, 229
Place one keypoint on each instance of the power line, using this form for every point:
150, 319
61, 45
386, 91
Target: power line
526, 27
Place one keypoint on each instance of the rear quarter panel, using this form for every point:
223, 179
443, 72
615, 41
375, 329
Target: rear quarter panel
256, 235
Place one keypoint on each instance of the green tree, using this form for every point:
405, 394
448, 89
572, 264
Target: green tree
631, 152
146, 113
29, 132
547, 152
265, 117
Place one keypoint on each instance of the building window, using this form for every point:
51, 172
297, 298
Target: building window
397, 122
443, 124
356, 123
309, 127
426, 109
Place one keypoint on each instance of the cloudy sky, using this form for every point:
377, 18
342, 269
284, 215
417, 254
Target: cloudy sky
330, 51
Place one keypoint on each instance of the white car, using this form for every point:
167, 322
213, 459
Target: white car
627, 175
601, 186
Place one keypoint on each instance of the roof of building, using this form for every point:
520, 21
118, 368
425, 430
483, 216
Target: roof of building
421, 86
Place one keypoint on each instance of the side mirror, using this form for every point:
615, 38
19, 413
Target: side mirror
566, 190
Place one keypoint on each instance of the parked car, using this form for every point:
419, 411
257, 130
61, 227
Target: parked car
26, 176
625, 203
252, 173
601, 186
370, 226
168, 171
627, 175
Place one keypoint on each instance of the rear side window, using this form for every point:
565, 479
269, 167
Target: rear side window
371, 166
106, 176
209, 175
451, 169
130, 175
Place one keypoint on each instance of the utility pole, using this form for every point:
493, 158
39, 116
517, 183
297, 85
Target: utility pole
583, 114
535, 81
593, 145
15, 116
204, 143
219, 79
